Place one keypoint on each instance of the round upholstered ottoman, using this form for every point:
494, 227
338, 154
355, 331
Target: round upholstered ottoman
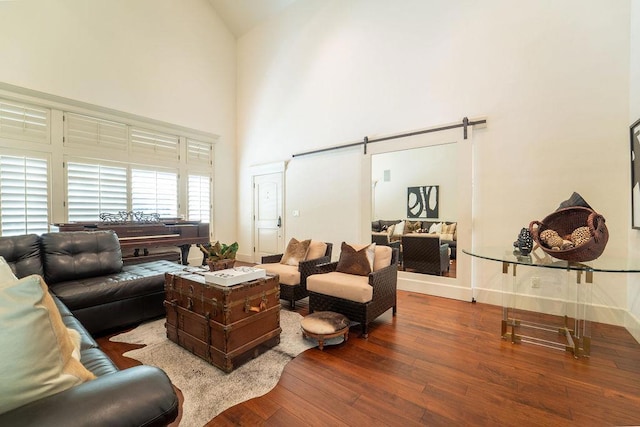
323, 325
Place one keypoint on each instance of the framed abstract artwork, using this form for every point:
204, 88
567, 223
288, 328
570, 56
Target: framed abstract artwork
634, 133
423, 202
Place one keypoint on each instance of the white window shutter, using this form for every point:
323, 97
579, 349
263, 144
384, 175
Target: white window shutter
199, 195
24, 196
199, 152
154, 192
24, 122
85, 131
156, 144
93, 189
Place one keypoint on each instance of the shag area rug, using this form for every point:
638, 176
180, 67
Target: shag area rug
207, 390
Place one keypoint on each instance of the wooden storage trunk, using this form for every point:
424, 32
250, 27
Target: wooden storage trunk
224, 304
224, 325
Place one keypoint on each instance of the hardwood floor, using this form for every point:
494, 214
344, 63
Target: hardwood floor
442, 362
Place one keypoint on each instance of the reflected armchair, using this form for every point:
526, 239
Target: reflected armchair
360, 297
424, 253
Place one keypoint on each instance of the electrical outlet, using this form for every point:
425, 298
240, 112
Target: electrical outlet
535, 282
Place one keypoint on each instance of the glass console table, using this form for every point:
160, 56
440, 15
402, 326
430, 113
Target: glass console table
570, 331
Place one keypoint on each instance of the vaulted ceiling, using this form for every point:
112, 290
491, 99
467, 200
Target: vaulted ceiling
241, 16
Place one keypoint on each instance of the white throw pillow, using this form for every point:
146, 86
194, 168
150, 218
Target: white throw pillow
398, 230
435, 228
6, 274
36, 349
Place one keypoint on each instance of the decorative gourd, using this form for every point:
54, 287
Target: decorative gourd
580, 236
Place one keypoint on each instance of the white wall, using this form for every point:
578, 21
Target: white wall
168, 60
633, 293
551, 77
413, 168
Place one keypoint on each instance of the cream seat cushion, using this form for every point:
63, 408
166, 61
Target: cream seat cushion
38, 353
289, 274
341, 285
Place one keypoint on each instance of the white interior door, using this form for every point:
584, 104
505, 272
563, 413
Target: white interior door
267, 215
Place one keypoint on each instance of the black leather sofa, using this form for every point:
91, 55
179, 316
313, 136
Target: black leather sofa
84, 269
95, 292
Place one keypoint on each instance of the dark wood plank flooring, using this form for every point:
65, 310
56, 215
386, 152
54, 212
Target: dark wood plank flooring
442, 362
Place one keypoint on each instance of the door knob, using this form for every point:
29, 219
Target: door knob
279, 221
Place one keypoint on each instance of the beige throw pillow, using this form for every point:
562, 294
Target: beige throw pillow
36, 349
358, 262
317, 249
296, 252
449, 229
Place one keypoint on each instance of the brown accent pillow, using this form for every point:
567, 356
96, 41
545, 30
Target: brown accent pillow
296, 252
412, 226
354, 261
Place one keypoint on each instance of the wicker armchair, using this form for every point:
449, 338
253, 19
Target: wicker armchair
383, 281
294, 289
383, 239
425, 253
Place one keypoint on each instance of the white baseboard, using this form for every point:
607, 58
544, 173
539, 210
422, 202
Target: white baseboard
632, 324
244, 257
426, 286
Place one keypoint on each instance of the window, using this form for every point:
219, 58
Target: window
24, 199
107, 161
154, 144
85, 132
94, 189
199, 192
199, 152
24, 122
154, 192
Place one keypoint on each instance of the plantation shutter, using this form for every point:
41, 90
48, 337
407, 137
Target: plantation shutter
24, 122
24, 199
199, 152
156, 144
154, 192
94, 189
85, 131
199, 192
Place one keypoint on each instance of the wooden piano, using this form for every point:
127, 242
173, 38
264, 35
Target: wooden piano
137, 236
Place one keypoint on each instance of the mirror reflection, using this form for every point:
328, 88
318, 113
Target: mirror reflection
414, 207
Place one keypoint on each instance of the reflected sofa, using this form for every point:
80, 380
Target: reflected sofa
382, 232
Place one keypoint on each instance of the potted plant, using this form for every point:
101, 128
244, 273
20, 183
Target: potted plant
220, 256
